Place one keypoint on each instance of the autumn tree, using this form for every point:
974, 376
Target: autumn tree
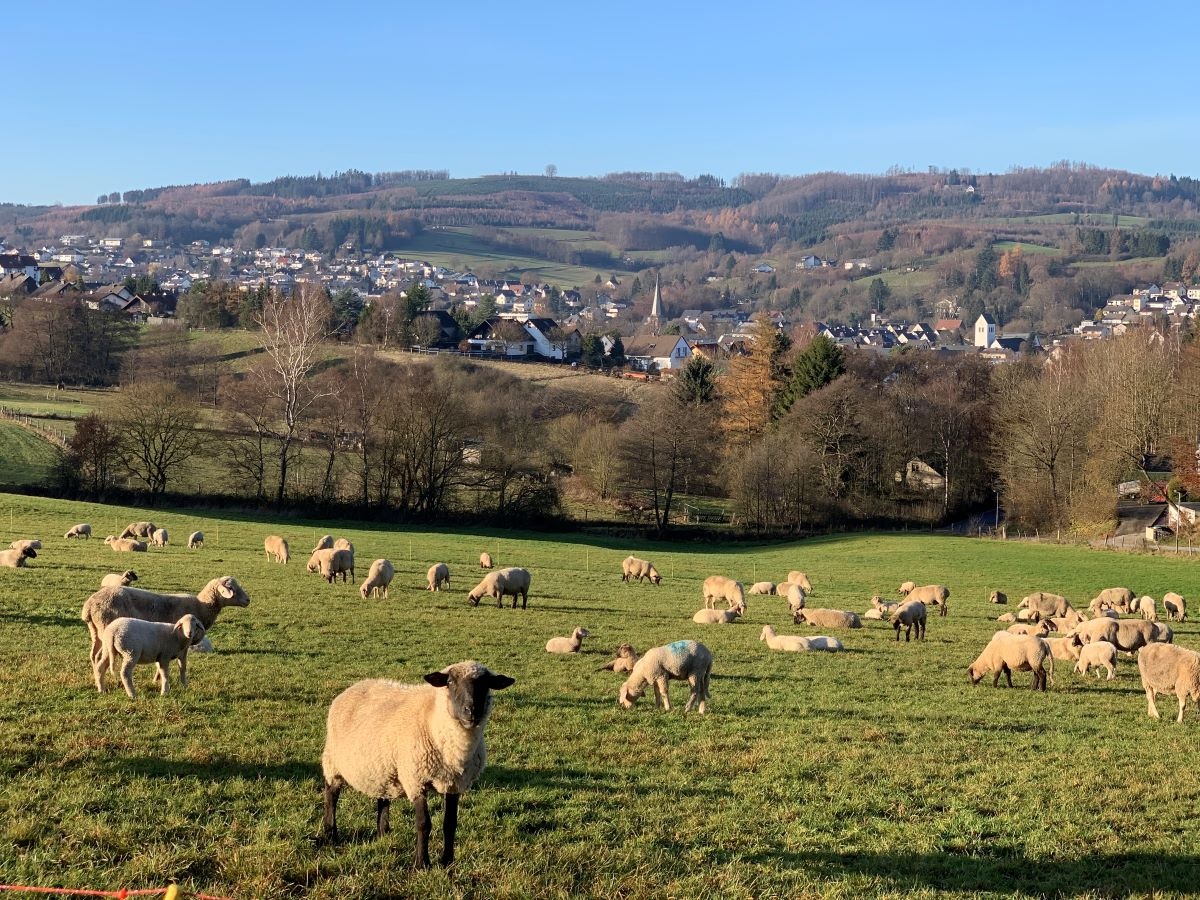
749, 387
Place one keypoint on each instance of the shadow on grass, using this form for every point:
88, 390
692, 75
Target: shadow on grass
33, 619
302, 772
571, 780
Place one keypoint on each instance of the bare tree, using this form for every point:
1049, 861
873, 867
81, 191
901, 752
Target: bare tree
159, 434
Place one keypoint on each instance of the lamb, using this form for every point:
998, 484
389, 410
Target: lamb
998, 597
110, 603
1063, 648
795, 598
1174, 606
1117, 598
500, 583
138, 530
875, 615
801, 579
387, 739
930, 595
138, 641
195, 540
15, 559
567, 644
1006, 617
343, 544
1065, 623
884, 606
1169, 669
1099, 629
762, 587
625, 660
796, 644
438, 574
1147, 610
906, 587
25, 543
379, 576
485, 560
908, 614
718, 587
82, 530
717, 616
1046, 604
1100, 654
277, 548
1028, 615
1041, 628
114, 580
1006, 653
159, 537
632, 567
325, 542
332, 563
680, 660
827, 618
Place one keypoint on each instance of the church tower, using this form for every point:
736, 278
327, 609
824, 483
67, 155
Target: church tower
654, 320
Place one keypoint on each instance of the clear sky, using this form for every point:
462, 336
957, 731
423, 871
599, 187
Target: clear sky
112, 96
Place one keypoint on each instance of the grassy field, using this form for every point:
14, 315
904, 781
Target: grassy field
457, 248
876, 772
25, 458
1031, 249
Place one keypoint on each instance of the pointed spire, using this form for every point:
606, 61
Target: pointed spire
655, 317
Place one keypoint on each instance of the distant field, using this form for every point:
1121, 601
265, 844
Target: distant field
584, 240
898, 279
1031, 249
25, 458
1111, 263
1088, 220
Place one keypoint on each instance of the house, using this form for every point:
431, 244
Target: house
17, 284
19, 264
920, 476
764, 269
541, 329
663, 352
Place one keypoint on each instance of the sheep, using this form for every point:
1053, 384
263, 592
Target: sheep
1063, 648
908, 614
1118, 598
884, 606
827, 618
82, 530
1046, 604
325, 542
718, 587
567, 644
680, 660
998, 597
1100, 654
1006, 653
930, 595
1133, 634
15, 559
717, 616
795, 598
1161, 633
138, 641
387, 739
875, 615
1098, 629
1109, 612
796, 644
159, 537
485, 560
195, 540
343, 544
1065, 623
379, 576
332, 563
438, 574
25, 543
1146, 608
1006, 617
801, 579
512, 580
277, 548
1028, 615
119, 580
1174, 606
110, 603
1040, 629
762, 587
906, 587
626, 659
632, 567
138, 530
1169, 669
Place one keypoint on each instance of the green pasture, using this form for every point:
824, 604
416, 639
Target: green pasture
1085, 220
25, 458
457, 248
879, 771
1030, 249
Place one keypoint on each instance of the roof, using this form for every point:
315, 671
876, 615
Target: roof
987, 317
947, 325
652, 344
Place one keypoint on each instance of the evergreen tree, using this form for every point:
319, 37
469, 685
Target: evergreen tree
696, 382
820, 363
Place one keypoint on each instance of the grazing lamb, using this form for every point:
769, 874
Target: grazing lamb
1046, 604
1007, 653
795, 598
1101, 628
195, 540
387, 739
332, 563
625, 660
1169, 669
762, 587
343, 544
998, 597
801, 579
325, 542
1063, 648
112, 579
485, 560
379, 576
1174, 606
438, 574
137, 641
717, 616
931, 595
501, 583
632, 567
159, 537
277, 548
1100, 654
567, 644
718, 587
1117, 598
796, 644
908, 614
1041, 628
15, 559
1146, 608
906, 587
82, 530
680, 660
138, 530
827, 618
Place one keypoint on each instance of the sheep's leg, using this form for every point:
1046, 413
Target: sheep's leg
449, 828
333, 790
164, 675
524, 599
98, 672
996, 678
127, 678
660, 694
421, 804
692, 695
383, 818
1111, 674
1152, 707
182, 668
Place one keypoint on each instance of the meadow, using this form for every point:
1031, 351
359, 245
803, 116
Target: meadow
879, 771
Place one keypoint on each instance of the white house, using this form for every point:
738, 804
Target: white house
664, 351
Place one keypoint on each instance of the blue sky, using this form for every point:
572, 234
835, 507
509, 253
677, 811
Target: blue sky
124, 95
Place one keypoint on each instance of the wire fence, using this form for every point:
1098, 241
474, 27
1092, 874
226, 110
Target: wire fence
53, 435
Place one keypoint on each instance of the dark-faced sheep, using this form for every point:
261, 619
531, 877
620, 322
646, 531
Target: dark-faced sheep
1007, 653
908, 615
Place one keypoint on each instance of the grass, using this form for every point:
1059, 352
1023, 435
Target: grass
27, 458
879, 771
457, 248
1026, 247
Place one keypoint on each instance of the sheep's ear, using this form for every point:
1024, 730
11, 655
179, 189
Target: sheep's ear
437, 679
224, 590
499, 682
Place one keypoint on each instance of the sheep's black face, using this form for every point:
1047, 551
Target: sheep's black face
29, 552
470, 687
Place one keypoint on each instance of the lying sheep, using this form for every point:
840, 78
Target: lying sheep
25, 543
795, 598
797, 644
931, 595
717, 616
801, 579
1028, 615
625, 660
1007, 653
1169, 669
82, 530
1046, 604
875, 615
331, 563
438, 574
387, 739
567, 644
137, 530
379, 576
718, 587
632, 567
1100, 654
1041, 628
909, 614
15, 559
1117, 598
485, 560
501, 583
1174, 606
195, 540
1006, 617
884, 606
325, 542
277, 548
762, 587
139, 642
827, 618
114, 580
998, 597
1146, 609
680, 660
159, 537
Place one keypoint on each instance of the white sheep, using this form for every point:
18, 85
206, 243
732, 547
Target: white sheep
909, 614
343, 544
1007, 653
827, 618
1101, 628
138, 530
930, 595
1174, 606
159, 537
82, 530
1006, 617
277, 548
718, 587
387, 739
873, 614
23, 543
680, 660
1063, 648
512, 581
1161, 633
626, 659
485, 560
325, 542
331, 563
1169, 669
1041, 628
438, 574
1117, 598
801, 579
885, 607
708, 616
632, 567
15, 559
1146, 608
567, 644
113, 579
795, 598
998, 597
379, 576
791, 643
1100, 654
906, 587
137, 642
762, 587
195, 540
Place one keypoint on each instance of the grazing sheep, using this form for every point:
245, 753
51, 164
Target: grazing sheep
1099, 629
930, 595
138, 530
140, 642
15, 559
827, 618
332, 563
762, 587
114, 602
795, 598
159, 537
485, 560
1171, 670
379, 576
718, 587
796, 644
325, 542
1117, 598
1041, 628
1162, 633
567, 644
1100, 654
1146, 608
1174, 606
1006, 617
625, 660
632, 567
998, 597
908, 614
1133, 634
277, 548
500, 583
1046, 604
195, 540
114, 580
343, 544
1007, 653
801, 579
717, 616
680, 660
1109, 612
906, 587
1063, 648
25, 543
438, 574
82, 530
387, 739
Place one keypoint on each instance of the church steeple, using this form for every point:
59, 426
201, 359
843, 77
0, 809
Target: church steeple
654, 320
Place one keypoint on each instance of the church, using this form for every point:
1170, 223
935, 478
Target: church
650, 349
